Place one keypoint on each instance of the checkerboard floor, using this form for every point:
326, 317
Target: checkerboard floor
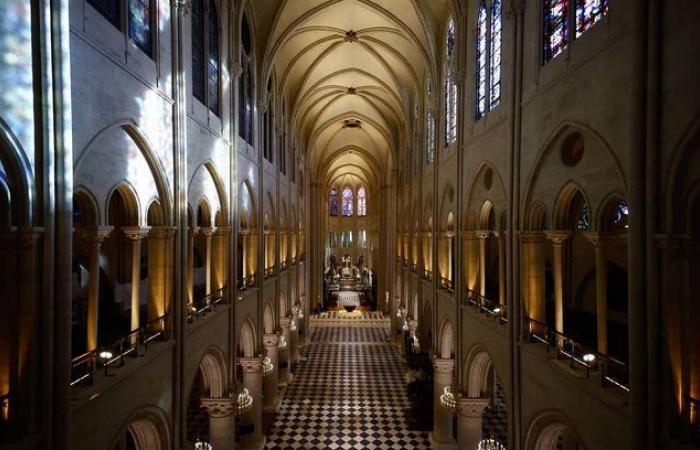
349, 395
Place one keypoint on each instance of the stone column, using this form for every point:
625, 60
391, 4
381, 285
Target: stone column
502, 298
470, 412
285, 371
222, 422
442, 435
471, 259
191, 233
532, 271
252, 380
558, 237
159, 240
207, 232
270, 382
136, 235
483, 236
220, 259
94, 237
600, 242
294, 340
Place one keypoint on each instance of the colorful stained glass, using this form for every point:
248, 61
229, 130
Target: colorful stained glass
620, 218
213, 72
140, 24
245, 85
556, 13
481, 48
347, 202
584, 219
495, 54
333, 202
361, 201
588, 12
429, 125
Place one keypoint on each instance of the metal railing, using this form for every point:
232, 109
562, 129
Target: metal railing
246, 283
206, 304
447, 284
613, 372
427, 274
269, 271
135, 343
486, 306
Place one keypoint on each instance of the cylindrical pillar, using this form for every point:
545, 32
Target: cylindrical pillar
270, 382
600, 242
532, 269
558, 238
483, 236
136, 235
253, 381
94, 237
442, 435
222, 422
502, 298
470, 412
191, 233
284, 355
207, 232
293, 341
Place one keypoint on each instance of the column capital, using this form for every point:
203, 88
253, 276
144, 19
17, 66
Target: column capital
600, 239
250, 364
236, 69
558, 237
192, 231
532, 237
472, 407
136, 233
162, 232
219, 407
222, 231
412, 326
94, 235
442, 365
270, 340
483, 234
470, 235
206, 231
286, 324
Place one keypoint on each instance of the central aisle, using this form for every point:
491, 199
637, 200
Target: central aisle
349, 393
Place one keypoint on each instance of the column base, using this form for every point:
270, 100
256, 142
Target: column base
273, 408
435, 445
260, 445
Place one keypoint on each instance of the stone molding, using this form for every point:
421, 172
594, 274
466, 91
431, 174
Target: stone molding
558, 237
251, 365
270, 340
532, 237
136, 233
442, 365
162, 232
472, 408
219, 408
94, 235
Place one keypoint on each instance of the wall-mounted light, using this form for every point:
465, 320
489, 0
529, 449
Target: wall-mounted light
589, 358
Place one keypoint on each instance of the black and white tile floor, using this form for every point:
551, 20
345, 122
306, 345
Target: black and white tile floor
349, 393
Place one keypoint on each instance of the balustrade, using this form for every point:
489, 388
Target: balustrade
199, 308
486, 306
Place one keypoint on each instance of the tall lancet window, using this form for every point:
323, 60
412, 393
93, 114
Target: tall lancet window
488, 57
213, 58
450, 85
588, 13
347, 202
245, 84
556, 29
429, 124
361, 202
333, 202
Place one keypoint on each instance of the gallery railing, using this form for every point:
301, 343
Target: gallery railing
447, 284
134, 344
427, 274
206, 304
613, 372
246, 283
270, 271
486, 306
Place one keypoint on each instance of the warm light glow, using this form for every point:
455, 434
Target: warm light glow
105, 355
589, 358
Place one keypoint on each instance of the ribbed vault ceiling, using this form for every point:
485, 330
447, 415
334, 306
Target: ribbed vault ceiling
349, 70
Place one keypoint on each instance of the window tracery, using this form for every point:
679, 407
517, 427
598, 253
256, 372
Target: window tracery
450, 85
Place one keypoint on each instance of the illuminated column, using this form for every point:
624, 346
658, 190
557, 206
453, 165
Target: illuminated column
191, 233
441, 436
470, 412
94, 237
253, 381
558, 238
471, 258
483, 236
532, 266
220, 259
207, 232
136, 235
159, 240
271, 343
502, 298
600, 242
293, 340
222, 422
285, 372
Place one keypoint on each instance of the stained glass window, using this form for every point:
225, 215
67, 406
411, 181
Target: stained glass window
588, 12
347, 202
584, 219
213, 71
495, 54
429, 125
109, 9
333, 202
198, 50
245, 85
450, 86
481, 47
556, 13
620, 218
361, 201
140, 24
